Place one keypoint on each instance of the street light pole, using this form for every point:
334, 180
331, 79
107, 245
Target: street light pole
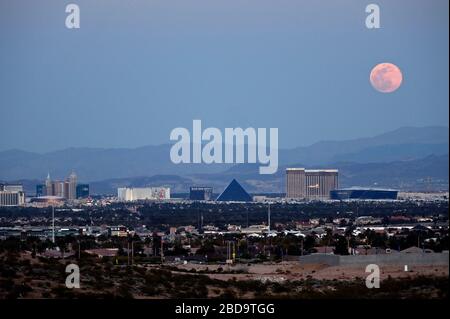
247, 218
128, 252
162, 250
53, 224
132, 252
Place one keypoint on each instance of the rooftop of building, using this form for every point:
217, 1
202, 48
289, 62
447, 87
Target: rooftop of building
47, 198
358, 188
312, 170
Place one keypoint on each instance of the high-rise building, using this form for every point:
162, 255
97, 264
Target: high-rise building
40, 190
128, 194
49, 191
82, 190
60, 189
311, 183
72, 186
11, 187
66, 189
200, 193
11, 195
295, 183
11, 198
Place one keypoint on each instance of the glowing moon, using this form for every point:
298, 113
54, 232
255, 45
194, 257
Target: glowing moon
386, 77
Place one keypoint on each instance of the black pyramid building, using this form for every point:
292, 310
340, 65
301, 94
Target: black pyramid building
234, 193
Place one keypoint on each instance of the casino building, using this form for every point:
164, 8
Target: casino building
200, 193
363, 193
129, 194
11, 195
310, 183
234, 192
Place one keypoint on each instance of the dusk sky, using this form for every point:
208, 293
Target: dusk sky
135, 70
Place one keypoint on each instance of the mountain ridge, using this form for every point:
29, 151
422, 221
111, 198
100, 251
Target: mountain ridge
430, 173
94, 164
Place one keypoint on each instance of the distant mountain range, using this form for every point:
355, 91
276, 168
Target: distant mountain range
407, 158
426, 174
406, 143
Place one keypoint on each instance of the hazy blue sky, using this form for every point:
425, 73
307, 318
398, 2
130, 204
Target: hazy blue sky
137, 69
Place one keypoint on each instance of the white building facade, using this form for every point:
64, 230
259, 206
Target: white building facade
12, 198
129, 194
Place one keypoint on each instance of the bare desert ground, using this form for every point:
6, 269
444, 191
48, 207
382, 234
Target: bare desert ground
295, 271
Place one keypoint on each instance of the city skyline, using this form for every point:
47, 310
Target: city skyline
230, 157
407, 159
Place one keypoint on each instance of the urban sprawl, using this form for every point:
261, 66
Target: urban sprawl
314, 233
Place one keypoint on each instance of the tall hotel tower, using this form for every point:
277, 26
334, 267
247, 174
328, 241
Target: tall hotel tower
311, 183
66, 189
72, 186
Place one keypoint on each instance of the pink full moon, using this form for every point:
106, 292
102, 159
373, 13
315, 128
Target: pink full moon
386, 77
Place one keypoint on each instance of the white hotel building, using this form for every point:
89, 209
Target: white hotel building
11, 195
129, 194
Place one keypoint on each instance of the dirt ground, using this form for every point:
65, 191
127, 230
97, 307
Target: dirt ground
295, 271
35, 279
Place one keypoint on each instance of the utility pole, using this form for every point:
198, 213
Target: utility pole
162, 250
301, 247
132, 252
128, 252
231, 252
247, 218
53, 224
234, 252
268, 220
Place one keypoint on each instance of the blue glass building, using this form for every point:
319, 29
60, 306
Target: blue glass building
363, 193
200, 193
82, 190
40, 190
